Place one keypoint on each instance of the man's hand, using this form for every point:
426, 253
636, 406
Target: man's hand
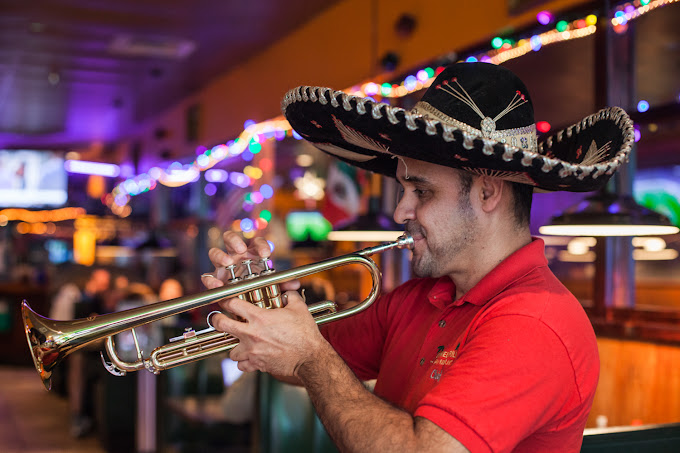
235, 251
276, 341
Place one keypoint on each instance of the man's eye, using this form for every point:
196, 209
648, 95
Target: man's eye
419, 192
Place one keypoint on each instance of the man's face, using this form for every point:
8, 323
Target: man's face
438, 214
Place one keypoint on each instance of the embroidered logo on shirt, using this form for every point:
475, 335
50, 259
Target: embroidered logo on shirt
443, 358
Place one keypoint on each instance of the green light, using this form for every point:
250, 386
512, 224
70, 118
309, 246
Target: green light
385, 89
255, 147
297, 230
246, 197
430, 72
561, 25
266, 215
319, 228
497, 43
307, 225
644, 2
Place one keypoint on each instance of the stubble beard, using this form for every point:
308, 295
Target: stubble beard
435, 260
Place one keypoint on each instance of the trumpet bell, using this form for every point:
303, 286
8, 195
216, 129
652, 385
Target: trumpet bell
40, 336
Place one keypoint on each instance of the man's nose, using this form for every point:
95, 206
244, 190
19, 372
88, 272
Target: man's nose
403, 212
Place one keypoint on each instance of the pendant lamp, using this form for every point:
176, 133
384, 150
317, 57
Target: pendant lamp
608, 214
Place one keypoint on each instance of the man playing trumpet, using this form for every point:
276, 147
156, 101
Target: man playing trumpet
485, 350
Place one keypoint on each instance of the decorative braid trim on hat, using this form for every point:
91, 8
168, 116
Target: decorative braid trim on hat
449, 125
520, 137
620, 119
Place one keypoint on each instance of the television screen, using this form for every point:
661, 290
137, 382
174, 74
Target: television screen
32, 178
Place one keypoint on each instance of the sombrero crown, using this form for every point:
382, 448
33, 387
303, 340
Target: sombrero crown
475, 116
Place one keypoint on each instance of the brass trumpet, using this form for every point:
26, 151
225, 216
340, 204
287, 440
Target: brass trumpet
50, 341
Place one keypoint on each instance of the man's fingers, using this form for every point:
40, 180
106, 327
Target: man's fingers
233, 243
291, 296
292, 285
240, 308
220, 258
211, 281
223, 323
259, 247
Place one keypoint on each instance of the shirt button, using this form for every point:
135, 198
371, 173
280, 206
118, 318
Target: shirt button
422, 361
442, 323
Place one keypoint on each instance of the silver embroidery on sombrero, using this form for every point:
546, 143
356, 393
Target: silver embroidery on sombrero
342, 152
514, 176
520, 137
596, 155
357, 138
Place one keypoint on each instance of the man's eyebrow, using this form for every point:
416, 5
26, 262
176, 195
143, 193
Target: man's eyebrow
413, 179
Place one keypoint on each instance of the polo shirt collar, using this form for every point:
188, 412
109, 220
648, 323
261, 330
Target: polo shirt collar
508, 271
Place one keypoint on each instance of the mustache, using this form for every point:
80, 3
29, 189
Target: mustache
413, 228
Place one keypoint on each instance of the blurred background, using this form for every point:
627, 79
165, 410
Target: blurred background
133, 133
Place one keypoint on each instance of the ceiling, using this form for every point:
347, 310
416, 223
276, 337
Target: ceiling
74, 69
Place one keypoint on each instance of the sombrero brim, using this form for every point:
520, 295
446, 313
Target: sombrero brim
370, 135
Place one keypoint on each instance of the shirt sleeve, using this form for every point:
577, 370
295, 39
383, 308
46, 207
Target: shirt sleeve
512, 376
359, 340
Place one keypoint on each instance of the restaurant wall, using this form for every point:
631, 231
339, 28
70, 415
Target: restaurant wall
639, 383
340, 48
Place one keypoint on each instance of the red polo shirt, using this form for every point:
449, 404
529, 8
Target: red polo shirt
511, 366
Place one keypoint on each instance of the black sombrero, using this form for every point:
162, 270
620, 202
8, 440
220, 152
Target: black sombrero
476, 117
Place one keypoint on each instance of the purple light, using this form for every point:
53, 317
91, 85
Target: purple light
92, 168
535, 42
216, 175
210, 189
131, 187
246, 225
410, 83
297, 136
544, 17
239, 179
371, 89
642, 106
120, 200
247, 206
485, 59
629, 9
256, 197
219, 152
266, 191
200, 150
422, 75
271, 245
247, 156
248, 123
202, 160
638, 134
127, 170
280, 135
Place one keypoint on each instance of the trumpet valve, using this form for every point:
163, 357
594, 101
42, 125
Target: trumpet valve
273, 291
256, 296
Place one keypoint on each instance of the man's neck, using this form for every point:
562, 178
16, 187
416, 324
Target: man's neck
490, 252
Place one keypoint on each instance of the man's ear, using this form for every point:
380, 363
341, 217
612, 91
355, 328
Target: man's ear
490, 192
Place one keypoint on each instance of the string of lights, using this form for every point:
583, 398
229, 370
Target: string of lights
249, 142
